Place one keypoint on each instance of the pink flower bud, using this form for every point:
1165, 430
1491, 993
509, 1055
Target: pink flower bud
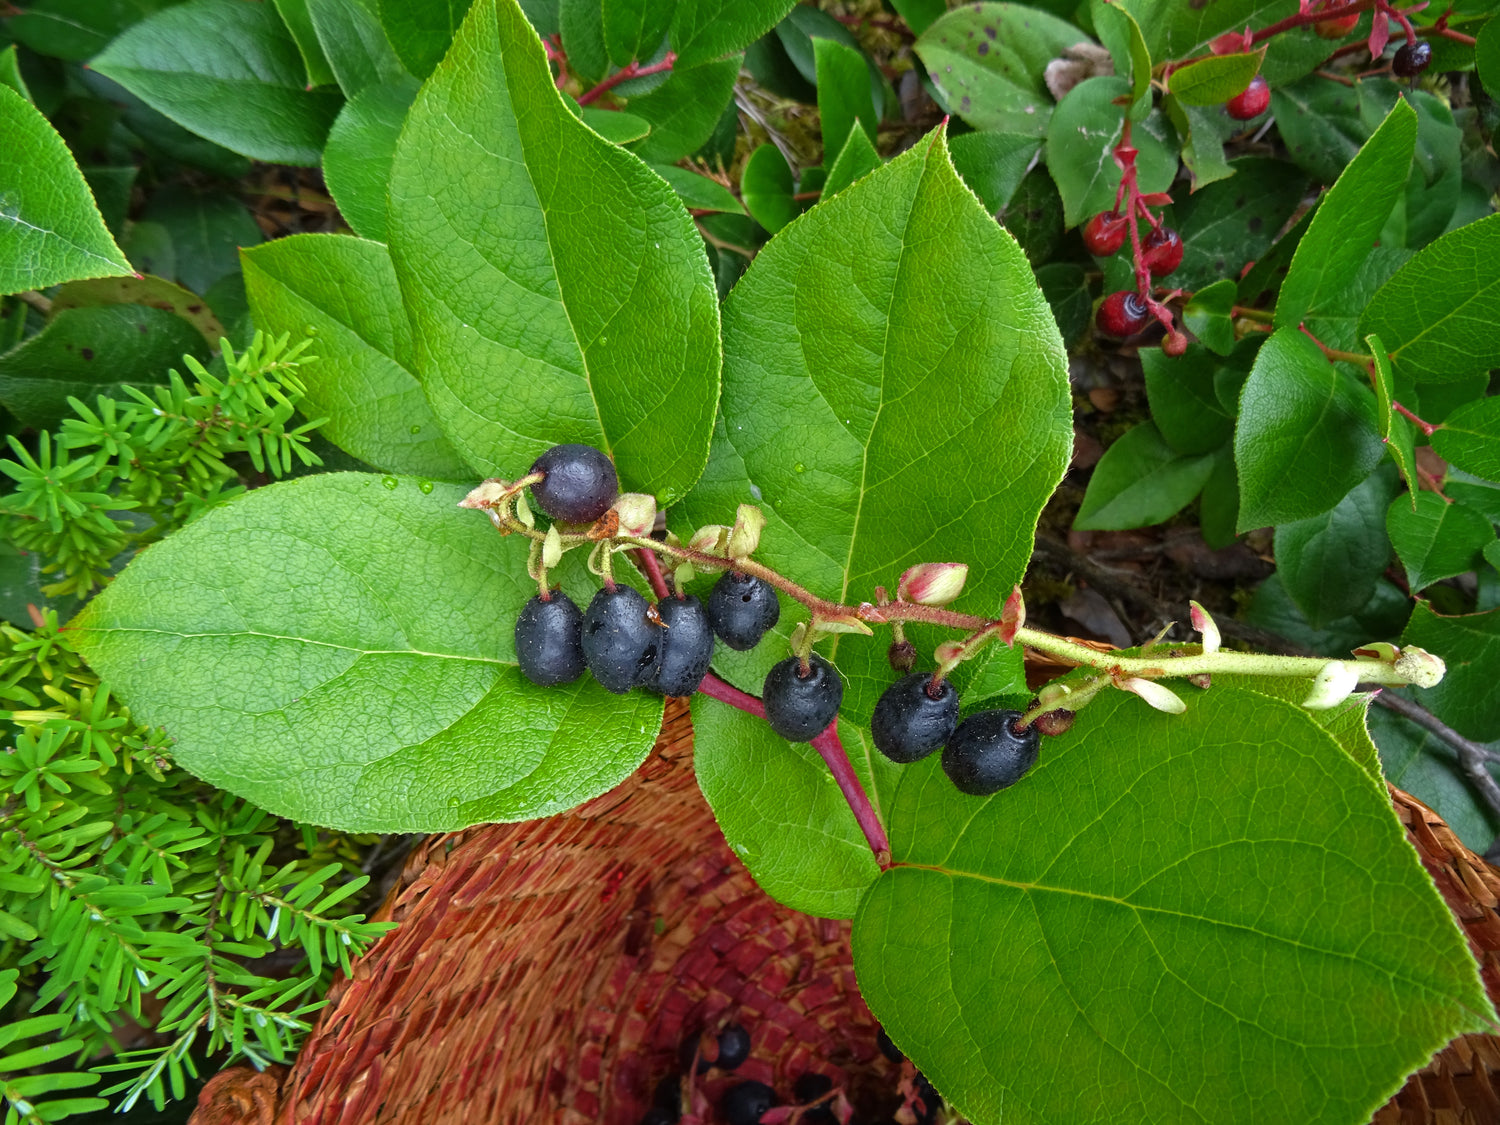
637, 512
932, 583
1205, 625
744, 537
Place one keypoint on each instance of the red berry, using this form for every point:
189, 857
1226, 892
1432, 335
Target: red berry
1161, 251
1251, 101
1336, 28
1105, 233
1123, 314
1175, 344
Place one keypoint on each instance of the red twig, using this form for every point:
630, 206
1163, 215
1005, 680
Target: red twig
1427, 428
634, 70
828, 745
652, 566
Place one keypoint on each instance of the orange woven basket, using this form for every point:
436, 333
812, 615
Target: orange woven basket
549, 972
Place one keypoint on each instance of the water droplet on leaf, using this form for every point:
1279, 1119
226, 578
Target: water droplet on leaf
424, 486
416, 429
799, 467
310, 330
389, 482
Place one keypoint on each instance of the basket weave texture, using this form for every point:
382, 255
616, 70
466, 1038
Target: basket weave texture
549, 971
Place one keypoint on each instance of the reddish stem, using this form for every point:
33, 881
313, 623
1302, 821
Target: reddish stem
652, 566
828, 745
634, 70
1427, 428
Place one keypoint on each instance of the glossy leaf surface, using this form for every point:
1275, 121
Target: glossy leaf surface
1470, 438
353, 666
703, 30
1436, 539
557, 288
361, 146
50, 230
1190, 903
1470, 646
1140, 480
1329, 563
845, 344
224, 69
1080, 141
344, 290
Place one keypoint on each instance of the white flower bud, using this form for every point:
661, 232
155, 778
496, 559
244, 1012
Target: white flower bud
637, 512
1420, 667
932, 583
1332, 685
1205, 625
483, 495
1160, 697
552, 551
744, 537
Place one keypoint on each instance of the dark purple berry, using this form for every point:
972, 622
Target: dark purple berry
931, 1099
668, 1094
742, 608
734, 1047
1412, 58
620, 642
744, 1102
658, 1116
986, 753
549, 640
810, 1087
579, 483
902, 655
909, 723
887, 1047
687, 646
799, 708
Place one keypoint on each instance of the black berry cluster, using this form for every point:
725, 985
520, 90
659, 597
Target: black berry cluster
623, 639
982, 755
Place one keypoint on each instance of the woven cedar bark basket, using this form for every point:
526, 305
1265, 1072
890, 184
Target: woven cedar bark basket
548, 972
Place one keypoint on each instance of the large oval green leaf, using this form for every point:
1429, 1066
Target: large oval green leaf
338, 649
50, 229
557, 287
895, 392
344, 289
1210, 917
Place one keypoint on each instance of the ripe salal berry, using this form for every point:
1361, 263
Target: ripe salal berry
987, 754
745, 1102
620, 641
1412, 59
909, 722
549, 646
578, 483
741, 608
799, 708
687, 646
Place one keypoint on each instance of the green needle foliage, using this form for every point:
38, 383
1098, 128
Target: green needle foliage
129, 890
166, 457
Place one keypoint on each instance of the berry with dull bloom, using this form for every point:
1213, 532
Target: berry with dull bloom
1123, 314
910, 721
578, 483
798, 707
987, 753
620, 641
741, 608
687, 646
745, 1102
549, 640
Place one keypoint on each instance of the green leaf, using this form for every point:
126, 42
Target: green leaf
1255, 959
1433, 187
698, 192
1119, 32
224, 69
1184, 406
994, 164
844, 99
1080, 145
205, 230
1437, 315
557, 288
1427, 767
21, 930
75, 30
361, 146
781, 811
1065, 285
1470, 438
1395, 431
298, 20
1324, 123
615, 127
582, 26
1330, 563
10, 72
634, 28
841, 412
1335, 319
1348, 221
1470, 645
767, 187
1203, 132
684, 109
856, 160
156, 292
919, 14
1206, 315
1487, 54
703, 30
355, 667
356, 46
1306, 433
1140, 481
92, 351
1435, 539
421, 30
345, 290
987, 60
1216, 79
50, 230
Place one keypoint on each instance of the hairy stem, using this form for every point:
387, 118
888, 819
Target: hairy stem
634, 70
